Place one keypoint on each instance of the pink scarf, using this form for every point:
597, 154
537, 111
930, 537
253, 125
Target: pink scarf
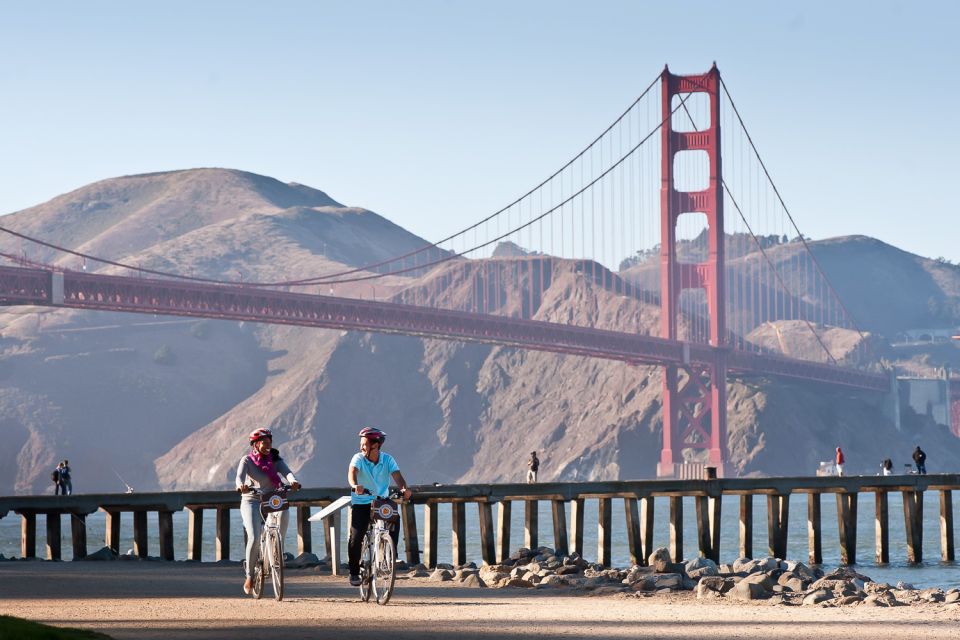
265, 464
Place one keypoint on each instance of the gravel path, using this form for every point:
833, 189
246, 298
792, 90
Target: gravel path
180, 601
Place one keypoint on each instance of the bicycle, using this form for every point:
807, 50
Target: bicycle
378, 570
269, 561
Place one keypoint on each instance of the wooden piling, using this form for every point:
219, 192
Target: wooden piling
634, 542
194, 534
913, 524
560, 545
28, 534
946, 525
430, 531
778, 512
78, 535
111, 534
165, 525
708, 526
882, 527
531, 518
676, 528
458, 533
503, 531
223, 533
646, 528
53, 536
576, 525
488, 544
746, 525
411, 541
140, 533
847, 527
814, 531
304, 533
604, 532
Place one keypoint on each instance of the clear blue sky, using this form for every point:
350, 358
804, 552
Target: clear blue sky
434, 114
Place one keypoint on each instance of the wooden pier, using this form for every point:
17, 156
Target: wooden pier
637, 499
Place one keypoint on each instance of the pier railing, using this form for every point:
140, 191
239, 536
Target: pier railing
637, 498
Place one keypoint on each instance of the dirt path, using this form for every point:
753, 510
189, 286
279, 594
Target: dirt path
183, 601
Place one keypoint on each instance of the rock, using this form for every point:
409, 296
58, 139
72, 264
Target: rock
664, 566
462, 574
848, 600
762, 579
741, 564
609, 590
418, 573
493, 573
713, 587
952, 597
106, 553
802, 571
768, 564
531, 577
884, 599
700, 567
645, 584
518, 582
568, 569
846, 573
795, 585
304, 561
818, 596
553, 581
668, 581
441, 575
473, 580
659, 554
903, 586
745, 590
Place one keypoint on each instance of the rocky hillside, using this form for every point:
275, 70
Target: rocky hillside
166, 403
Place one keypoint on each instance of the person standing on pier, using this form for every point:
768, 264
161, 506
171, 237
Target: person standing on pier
66, 484
55, 476
920, 458
533, 466
264, 469
839, 461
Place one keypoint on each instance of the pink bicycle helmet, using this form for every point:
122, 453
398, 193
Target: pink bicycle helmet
257, 434
372, 433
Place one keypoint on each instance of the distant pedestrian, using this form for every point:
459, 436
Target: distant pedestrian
533, 465
920, 458
55, 476
839, 461
886, 467
66, 484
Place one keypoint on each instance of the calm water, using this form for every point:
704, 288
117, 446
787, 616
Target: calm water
930, 573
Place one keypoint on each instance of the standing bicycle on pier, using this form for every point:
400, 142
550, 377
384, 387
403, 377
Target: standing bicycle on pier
370, 471
263, 469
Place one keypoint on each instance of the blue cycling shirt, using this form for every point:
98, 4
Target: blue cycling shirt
374, 477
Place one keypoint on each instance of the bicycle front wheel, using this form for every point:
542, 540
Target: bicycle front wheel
276, 565
366, 569
384, 573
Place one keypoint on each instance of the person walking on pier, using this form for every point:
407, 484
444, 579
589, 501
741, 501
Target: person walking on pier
886, 467
839, 461
920, 458
369, 475
264, 469
533, 466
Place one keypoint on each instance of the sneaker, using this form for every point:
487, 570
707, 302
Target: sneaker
354, 580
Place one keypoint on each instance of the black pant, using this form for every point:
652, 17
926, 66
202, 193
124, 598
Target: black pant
922, 467
359, 521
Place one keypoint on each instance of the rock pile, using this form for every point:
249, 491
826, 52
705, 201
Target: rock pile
781, 581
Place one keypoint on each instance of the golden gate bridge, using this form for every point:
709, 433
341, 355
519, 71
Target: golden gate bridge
660, 243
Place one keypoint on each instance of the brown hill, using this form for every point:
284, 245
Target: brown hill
167, 403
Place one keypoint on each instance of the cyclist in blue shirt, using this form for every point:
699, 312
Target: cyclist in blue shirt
370, 470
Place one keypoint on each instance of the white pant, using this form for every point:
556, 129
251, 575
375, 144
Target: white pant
531, 476
252, 524
839, 469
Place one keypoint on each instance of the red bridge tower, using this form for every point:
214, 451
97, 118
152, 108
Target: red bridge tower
694, 396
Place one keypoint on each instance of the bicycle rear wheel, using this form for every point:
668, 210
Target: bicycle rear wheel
365, 569
276, 564
384, 573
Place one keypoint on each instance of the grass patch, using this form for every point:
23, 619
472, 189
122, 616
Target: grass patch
19, 629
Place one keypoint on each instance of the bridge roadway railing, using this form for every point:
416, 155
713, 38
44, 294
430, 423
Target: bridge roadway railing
637, 497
